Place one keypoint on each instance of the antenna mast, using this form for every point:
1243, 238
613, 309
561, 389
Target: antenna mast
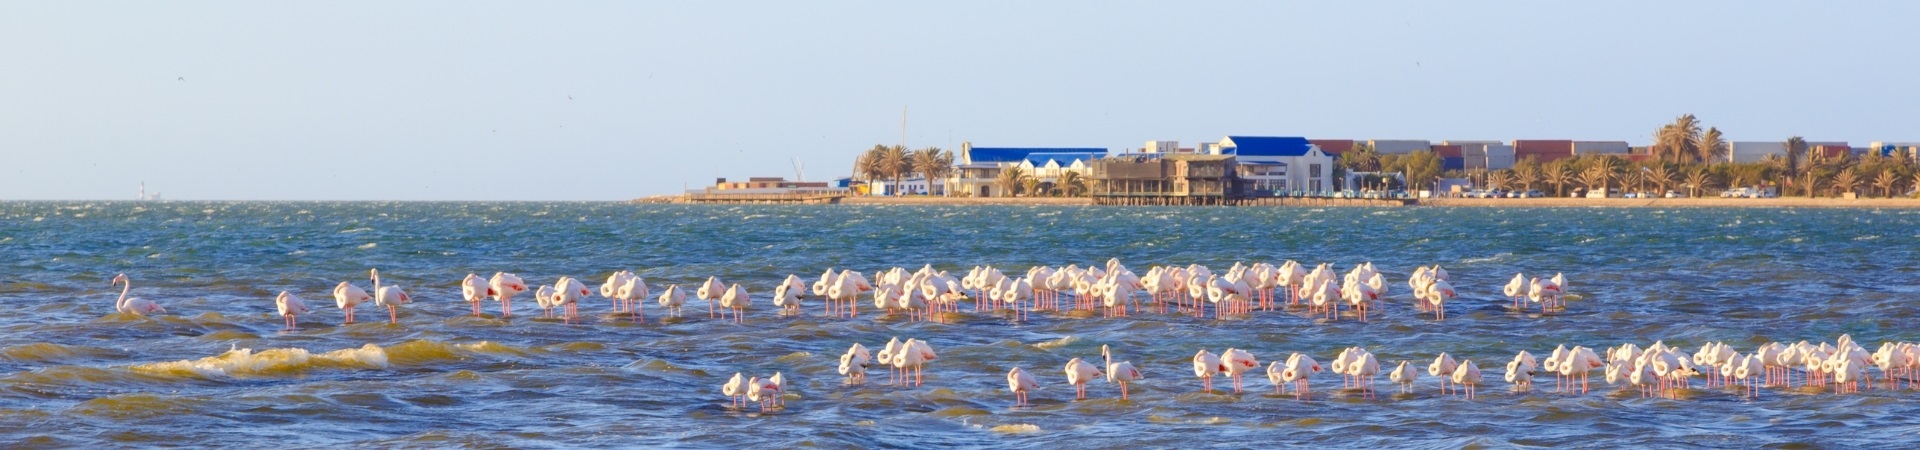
799, 171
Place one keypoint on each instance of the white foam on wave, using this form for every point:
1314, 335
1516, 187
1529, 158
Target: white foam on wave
279, 361
1057, 343
369, 245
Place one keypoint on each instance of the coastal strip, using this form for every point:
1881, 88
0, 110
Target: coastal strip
1794, 202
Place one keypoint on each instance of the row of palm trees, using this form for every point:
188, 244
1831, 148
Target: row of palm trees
1015, 181
1808, 175
896, 163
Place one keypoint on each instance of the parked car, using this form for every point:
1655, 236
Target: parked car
1675, 194
1534, 194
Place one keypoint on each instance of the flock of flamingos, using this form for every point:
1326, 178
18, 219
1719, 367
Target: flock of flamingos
1114, 291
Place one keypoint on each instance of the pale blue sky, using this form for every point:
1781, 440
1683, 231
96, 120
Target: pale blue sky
468, 100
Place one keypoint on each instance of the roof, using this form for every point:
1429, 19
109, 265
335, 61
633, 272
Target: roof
1016, 154
1064, 159
1195, 157
1267, 146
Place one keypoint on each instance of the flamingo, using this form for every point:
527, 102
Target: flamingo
711, 291
289, 307
1238, 362
611, 288
736, 298
912, 355
1206, 366
1404, 376
544, 297
1438, 293
672, 299
474, 289
634, 291
787, 299
347, 296
1019, 382
136, 305
1365, 368
735, 389
779, 381
1078, 374
1519, 375
1299, 370
854, 362
505, 286
567, 294
1121, 373
1516, 289
1467, 376
389, 296
1442, 367
1749, 370
762, 391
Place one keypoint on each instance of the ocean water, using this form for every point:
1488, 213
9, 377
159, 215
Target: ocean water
217, 370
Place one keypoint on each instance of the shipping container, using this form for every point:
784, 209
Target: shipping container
1454, 163
1447, 151
1600, 147
1756, 151
1501, 156
1399, 146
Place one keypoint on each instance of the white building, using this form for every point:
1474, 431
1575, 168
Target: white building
1161, 147
977, 169
1268, 163
908, 186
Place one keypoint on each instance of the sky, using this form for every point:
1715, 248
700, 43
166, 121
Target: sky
475, 100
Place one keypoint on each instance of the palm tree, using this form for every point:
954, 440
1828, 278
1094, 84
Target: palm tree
1796, 148
871, 165
1679, 138
1697, 180
1712, 146
1071, 184
1595, 177
1887, 181
1847, 181
1637, 180
1661, 176
1362, 158
1009, 180
1558, 175
1030, 185
934, 163
1814, 174
1526, 175
895, 163
1502, 179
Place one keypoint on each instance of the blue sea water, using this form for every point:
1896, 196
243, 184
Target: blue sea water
217, 370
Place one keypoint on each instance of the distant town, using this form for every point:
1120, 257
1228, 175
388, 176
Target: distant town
1684, 161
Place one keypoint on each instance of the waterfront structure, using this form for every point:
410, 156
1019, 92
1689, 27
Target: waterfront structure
1909, 151
1272, 164
766, 190
1163, 179
977, 169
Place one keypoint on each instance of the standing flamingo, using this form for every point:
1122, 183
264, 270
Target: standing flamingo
544, 297
1442, 368
672, 299
347, 296
136, 305
736, 298
634, 292
505, 286
1122, 373
1019, 382
290, 306
389, 296
1467, 376
1404, 375
474, 289
1238, 363
567, 294
735, 389
1206, 366
1299, 371
1078, 374
1516, 290
1438, 293
711, 292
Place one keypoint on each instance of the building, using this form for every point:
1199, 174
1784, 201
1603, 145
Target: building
1909, 151
1164, 179
1333, 147
1267, 164
763, 183
1164, 147
916, 185
977, 169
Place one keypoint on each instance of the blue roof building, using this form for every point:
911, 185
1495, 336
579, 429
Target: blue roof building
1279, 164
976, 168
1265, 146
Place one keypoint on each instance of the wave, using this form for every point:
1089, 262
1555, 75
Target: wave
280, 361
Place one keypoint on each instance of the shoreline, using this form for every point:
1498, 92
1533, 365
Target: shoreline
1793, 202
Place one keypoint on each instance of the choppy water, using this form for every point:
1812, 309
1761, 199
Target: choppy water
218, 370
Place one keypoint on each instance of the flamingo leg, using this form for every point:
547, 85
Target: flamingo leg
394, 313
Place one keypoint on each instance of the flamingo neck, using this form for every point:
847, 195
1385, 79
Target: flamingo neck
119, 303
376, 283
